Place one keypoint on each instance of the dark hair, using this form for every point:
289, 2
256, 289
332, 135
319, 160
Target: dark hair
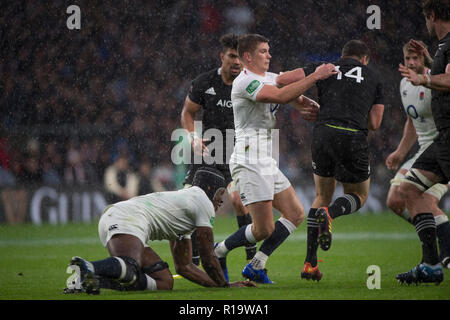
249, 42
355, 48
229, 41
209, 180
441, 9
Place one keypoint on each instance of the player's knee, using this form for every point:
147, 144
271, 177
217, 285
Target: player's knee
396, 204
298, 216
263, 232
160, 273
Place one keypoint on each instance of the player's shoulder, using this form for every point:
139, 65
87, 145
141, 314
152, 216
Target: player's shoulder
241, 78
206, 77
198, 193
403, 82
201, 202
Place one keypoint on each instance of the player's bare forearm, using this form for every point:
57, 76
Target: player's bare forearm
196, 275
182, 257
440, 82
375, 117
273, 94
409, 138
289, 77
210, 263
188, 114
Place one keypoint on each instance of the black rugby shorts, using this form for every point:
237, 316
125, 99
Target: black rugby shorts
436, 158
341, 154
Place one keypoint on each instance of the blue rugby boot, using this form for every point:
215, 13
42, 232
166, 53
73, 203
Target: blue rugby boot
259, 276
423, 273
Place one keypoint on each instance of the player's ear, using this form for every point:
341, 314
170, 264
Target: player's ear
365, 60
247, 56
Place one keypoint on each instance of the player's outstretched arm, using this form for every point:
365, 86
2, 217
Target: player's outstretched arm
284, 95
439, 82
409, 137
289, 77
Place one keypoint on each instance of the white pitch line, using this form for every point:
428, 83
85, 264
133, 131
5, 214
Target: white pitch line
361, 236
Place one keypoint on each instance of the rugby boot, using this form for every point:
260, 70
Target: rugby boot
310, 272
256, 275
423, 273
89, 282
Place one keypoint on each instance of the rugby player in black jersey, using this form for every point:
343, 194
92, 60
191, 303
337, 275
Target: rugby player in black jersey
433, 166
351, 103
211, 91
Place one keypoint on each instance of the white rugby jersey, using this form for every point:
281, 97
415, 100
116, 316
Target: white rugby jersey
170, 214
253, 120
417, 104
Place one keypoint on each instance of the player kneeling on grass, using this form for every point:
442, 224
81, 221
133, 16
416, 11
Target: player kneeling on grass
127, 226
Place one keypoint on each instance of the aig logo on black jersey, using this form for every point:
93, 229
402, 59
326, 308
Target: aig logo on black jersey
224, 103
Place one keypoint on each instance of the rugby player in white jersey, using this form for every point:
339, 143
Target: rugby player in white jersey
261, 185
126, 227
419, 126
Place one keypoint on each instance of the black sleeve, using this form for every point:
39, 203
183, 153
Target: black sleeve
197, 91
311, 67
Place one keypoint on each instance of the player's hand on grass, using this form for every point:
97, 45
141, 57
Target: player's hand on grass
409, 74
240, 284
325, 71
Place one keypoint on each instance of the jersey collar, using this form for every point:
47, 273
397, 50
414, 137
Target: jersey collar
445, 39
248, 72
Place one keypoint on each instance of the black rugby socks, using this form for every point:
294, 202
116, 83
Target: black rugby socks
346, 204
312, 235
426, 229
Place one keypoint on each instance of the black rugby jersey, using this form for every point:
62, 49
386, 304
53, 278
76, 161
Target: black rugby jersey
440, 100
346, 98
209, 91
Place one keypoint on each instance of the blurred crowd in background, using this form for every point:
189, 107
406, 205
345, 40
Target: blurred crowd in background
78, 107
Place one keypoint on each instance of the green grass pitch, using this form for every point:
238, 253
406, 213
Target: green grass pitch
34, 260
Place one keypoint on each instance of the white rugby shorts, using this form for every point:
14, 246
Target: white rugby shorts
258, 182
115, 221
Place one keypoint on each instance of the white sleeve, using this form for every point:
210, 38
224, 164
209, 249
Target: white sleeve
248, 87
205, 214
